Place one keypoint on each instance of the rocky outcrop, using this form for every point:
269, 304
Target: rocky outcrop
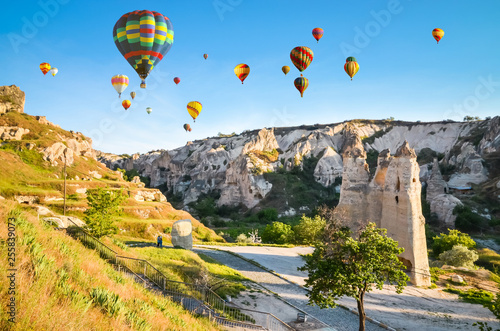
182, 234
69, 148
12, 132
436, 185
11, 99
442, 206
391, 199
149, 195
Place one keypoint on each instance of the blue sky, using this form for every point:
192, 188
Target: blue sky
403, 72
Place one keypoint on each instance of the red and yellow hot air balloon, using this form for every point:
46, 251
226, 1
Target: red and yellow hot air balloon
45, 67
242, 70
194, 109
317, 33
126, 104
120, 83
177, 80
205, 56
285, 69
143, 37
301, 83
301, 57
187, 127
437, 34
351, 67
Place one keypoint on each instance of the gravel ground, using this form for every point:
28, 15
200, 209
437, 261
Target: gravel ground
338, 318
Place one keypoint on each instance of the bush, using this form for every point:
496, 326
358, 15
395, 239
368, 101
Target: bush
309, 230
278, 233
467, 220
459, 256
243, 239
445, 242
267, 216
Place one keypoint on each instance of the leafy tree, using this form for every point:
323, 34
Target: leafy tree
277, 233
268, 215
459, 256
445, 242
103, 206
309, 230
343, 265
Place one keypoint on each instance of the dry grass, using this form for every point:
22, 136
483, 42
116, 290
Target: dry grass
54, 279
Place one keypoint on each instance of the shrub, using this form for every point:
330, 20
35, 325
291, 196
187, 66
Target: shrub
445, 242
243, 239
278, 233
467, 220
459, 256
309, 230
268, 215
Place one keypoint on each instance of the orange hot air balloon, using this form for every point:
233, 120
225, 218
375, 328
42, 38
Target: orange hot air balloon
177, 80
242, 70
317, 34
285, 69
126, 104
437, 34
351, 68
45, 67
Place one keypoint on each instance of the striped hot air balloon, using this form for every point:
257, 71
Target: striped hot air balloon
143, 37
187, 127
351, 68
242, 70
301, 57
205, 56
120, 83
53, 71
437, 34
126, 104
177, 80
351, 59
45, 67
285, 69
317, 33
149, 110
301, 83
194, 109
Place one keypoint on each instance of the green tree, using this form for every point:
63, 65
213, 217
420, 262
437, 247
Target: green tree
343, 265
103, 206
309, 230
459, 256
445, 242
277, 233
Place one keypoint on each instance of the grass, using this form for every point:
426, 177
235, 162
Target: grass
474, 296
488, 259
60, 284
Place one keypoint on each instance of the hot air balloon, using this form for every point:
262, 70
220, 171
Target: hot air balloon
351, 68
132, 94
177, 80
194, 109
149, 110
350, 59
187, 127
143, 37
120, 83
285, 69
437, 34
45, 67
126, 104
317, 33
205, 56
301, 57
53, 71
301, 83
242, 70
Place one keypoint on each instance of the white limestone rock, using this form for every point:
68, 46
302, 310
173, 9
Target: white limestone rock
182, 235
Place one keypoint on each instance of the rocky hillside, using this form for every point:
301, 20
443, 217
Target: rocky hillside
237, 167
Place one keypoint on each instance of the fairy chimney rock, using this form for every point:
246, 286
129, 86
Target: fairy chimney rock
11, 99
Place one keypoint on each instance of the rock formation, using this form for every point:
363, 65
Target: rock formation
391, 200
182, 234
12, 132
11, 99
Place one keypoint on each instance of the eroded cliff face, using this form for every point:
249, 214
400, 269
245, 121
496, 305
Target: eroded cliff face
234, 165
11, 99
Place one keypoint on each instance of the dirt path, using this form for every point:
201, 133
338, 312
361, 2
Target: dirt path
414, 309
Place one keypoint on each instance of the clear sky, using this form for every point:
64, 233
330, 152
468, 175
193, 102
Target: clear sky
403, 72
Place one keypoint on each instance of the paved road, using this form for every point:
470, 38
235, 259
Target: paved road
338, 318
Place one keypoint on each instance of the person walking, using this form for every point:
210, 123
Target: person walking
160, 241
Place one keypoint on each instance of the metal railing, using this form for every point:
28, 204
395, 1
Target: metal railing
197, 299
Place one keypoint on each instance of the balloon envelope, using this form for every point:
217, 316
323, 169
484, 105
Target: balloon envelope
132, 94
126, 104
301, 84
53, 71
301, 57
143, 37
437, 34
194, 109
351, 68
350, 58
242, 70
285, 69
187, 127
120, 83
149, 110
205, 56
317, 33
177, 80
45, 67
